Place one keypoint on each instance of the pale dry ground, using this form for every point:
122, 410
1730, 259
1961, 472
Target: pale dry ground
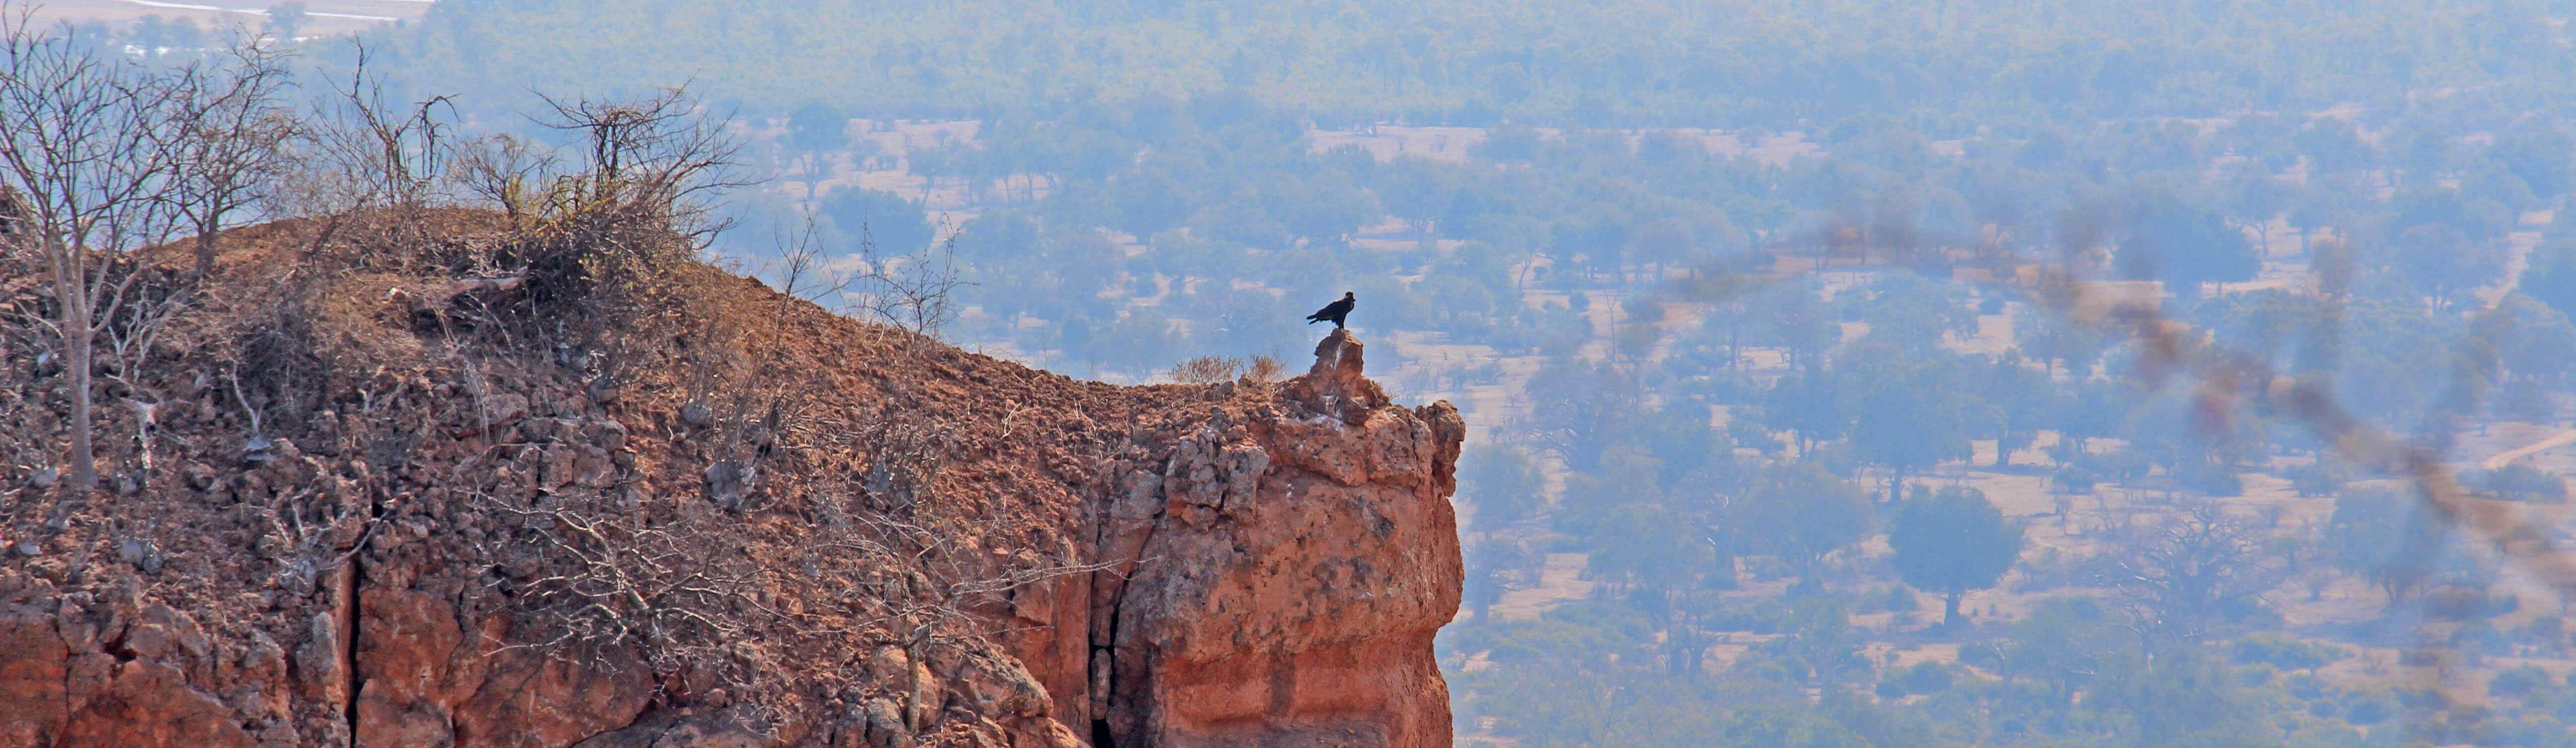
877, 157
1561, 579
1389, 142
322, 17
1452, 144
1391, 234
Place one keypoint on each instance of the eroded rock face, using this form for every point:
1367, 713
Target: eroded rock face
1283, 573
1259, 564
78, 671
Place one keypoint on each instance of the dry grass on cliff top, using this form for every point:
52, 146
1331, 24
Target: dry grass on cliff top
681, 470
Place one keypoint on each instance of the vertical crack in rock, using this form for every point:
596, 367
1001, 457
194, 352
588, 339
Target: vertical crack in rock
347, 583
1137, 513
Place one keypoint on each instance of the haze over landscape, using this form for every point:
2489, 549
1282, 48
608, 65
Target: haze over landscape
1849, 373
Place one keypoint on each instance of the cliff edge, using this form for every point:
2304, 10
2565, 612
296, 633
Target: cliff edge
359, 494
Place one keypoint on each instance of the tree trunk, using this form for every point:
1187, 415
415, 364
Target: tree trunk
77, 336
1896, 486
205, 249
1950, 608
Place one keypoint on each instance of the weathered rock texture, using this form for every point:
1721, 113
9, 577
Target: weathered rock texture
720, 517
1283, 574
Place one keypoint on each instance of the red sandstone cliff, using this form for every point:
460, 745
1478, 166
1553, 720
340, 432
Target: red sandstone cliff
368, 510
1285, 570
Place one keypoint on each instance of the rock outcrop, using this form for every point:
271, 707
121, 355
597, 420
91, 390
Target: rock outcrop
738, 522
1281, 576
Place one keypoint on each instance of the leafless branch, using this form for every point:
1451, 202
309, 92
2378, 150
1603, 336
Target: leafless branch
915, 292
395, 155
803, 271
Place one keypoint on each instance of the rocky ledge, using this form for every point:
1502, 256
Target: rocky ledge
926, 547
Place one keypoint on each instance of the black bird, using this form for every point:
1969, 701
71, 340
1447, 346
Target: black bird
1334, 312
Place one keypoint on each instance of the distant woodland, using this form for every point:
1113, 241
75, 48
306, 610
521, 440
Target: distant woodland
1949, 66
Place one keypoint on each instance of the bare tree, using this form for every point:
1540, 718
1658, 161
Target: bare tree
662, 150
87, 143
499, 169
233, 132
650, 168
2183, 568
363, 150
915, 291
803, 271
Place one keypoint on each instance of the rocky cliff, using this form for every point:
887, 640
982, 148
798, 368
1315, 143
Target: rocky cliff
361, 501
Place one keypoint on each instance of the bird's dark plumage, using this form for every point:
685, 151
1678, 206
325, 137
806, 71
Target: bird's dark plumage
1334, 312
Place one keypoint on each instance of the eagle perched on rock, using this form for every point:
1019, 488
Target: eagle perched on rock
1334, 312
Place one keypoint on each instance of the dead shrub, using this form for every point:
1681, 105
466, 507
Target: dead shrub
1264, 370
1207, 370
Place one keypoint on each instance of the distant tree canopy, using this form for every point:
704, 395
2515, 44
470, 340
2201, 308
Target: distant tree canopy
1800, 513
2392, 538
888, 219
1951, 541
1501, 483
817, 127
2551, 276
1913, 411
2442, 244
2185, 246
